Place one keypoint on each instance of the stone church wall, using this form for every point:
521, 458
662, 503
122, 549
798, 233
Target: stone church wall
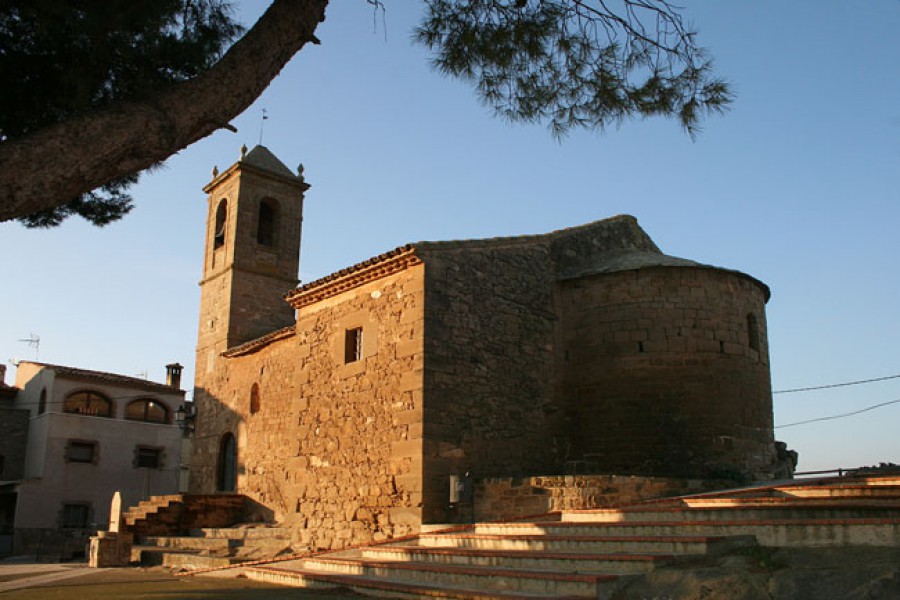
489, 365
660, 363
333, 449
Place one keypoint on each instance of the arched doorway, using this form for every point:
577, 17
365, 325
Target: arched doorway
227, 472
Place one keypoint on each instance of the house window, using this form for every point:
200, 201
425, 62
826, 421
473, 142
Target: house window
147, 410
753, 332
42, 402
254, 399
221, 221
265, 228
88, 403
75, 516
81, 451
353, 345
146, 457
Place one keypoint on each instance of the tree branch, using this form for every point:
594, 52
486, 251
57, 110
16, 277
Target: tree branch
63, 161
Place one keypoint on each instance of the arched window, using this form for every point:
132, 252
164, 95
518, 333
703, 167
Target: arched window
254, 399
265, 228
221, 221
147, 410
226, 476
88, 403
42, 402
752, 332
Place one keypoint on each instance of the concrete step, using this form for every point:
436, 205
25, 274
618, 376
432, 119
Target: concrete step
772, 532
487, 581
390, 589
542, 560
840, 491
727, 509
677, 544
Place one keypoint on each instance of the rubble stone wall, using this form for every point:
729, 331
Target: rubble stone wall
509, 498
490, 331
333, 449
663, 375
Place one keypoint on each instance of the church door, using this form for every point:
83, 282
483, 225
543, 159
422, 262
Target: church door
227, 476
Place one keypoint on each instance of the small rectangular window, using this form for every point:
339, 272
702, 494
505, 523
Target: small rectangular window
147, 458
75, 516
353, 345
79, 451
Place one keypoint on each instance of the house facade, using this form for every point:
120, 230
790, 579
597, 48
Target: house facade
89, 434
346, 404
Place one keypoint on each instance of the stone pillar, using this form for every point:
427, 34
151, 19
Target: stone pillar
112, 548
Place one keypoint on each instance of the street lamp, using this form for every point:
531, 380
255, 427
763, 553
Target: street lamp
184, 418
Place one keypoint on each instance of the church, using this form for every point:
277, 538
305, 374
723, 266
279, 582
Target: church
343, 406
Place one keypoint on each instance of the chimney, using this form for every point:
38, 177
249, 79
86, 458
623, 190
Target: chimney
2, 374
173, 375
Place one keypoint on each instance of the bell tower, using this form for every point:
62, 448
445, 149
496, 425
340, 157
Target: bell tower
252, 255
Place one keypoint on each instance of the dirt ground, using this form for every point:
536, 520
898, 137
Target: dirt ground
157, 584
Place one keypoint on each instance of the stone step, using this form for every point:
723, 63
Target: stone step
468, 577
678, 544
772, 532
190, 543
399, 589
149, 556
243, 532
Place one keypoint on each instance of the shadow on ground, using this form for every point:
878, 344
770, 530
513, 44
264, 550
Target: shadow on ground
152, 584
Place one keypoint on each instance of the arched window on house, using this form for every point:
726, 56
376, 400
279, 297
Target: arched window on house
753, 332
147, 410
254, 399
221, 222
266, 222
226, 475
42, 402
88, 402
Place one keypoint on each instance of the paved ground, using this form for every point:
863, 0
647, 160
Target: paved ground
37, 581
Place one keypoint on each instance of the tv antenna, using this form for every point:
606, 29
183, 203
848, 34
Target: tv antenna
35, 342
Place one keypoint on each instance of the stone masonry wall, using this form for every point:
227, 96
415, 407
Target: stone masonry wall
511, 498
489, 378
334, 449
661, 376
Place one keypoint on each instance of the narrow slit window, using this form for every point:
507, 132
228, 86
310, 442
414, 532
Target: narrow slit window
753, 332
353, 345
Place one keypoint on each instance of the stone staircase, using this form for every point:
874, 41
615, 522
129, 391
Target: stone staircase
195, 531
213, 548
592, 553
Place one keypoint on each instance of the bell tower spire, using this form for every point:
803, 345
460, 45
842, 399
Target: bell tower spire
252, 256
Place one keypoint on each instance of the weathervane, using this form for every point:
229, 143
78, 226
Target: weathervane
262, 122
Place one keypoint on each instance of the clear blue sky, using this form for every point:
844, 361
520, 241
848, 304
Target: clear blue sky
797, 186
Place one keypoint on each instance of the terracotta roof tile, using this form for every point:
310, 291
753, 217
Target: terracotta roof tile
111, 378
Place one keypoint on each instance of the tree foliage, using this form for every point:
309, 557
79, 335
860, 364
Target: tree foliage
138, 81
62, 59
575, 63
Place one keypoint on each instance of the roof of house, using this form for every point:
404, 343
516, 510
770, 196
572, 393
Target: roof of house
108, 378
614, 244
